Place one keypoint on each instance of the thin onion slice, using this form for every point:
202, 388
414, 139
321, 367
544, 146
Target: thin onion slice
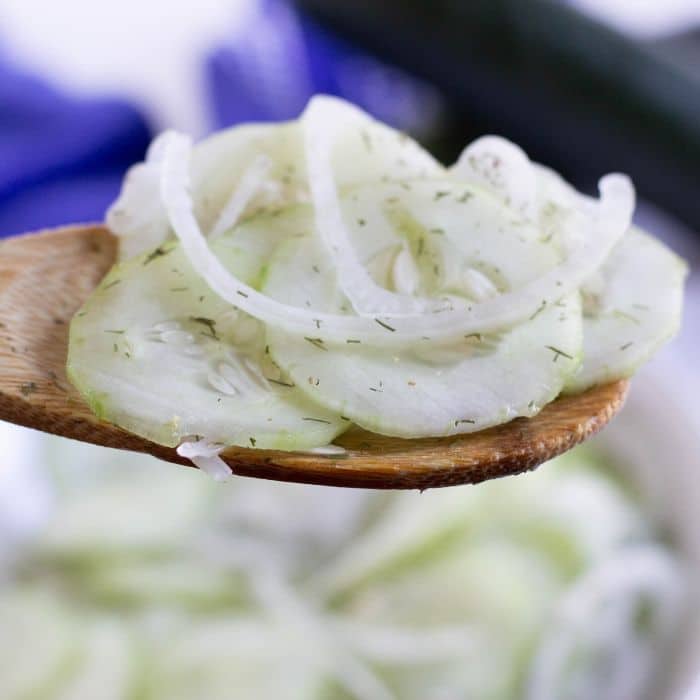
611, 219
205, 456
322, 122
248, 187
136, 217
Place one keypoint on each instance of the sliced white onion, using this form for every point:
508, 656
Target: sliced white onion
322, 123
404, 272
137, 216
205, 456
608, 223
249, 184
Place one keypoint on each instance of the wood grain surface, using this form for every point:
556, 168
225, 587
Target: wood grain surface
44, 279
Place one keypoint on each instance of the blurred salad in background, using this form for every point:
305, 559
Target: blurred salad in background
132, 579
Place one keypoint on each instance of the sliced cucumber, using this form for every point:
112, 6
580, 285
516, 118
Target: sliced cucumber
156, 352
365, 150
393, 249
463, 387
631, 308
218, 165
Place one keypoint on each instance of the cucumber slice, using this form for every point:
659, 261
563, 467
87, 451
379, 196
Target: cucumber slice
631, 308
220, 161
365, 150
461, 387
219, 164
632, 305
156, 352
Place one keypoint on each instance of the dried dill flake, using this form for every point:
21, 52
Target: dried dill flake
28, 388
208, 323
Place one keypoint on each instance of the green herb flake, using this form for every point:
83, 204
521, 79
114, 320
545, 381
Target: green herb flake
279, 382
384, 325
317, 420
624, 315
159, 252
558, 353
316, 342
208, 323
540, 309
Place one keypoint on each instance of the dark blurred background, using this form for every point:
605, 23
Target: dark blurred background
574, 92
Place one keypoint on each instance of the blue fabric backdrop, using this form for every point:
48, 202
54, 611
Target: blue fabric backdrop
62, 158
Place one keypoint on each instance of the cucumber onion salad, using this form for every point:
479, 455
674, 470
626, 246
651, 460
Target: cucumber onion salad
279, 283
553, 585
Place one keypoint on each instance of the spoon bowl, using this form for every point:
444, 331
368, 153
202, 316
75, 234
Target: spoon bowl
44, 279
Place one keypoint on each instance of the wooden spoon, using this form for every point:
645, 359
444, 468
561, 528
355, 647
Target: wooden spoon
45, 277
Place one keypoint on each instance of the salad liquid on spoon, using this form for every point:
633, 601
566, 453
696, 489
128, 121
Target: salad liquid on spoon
45, 278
